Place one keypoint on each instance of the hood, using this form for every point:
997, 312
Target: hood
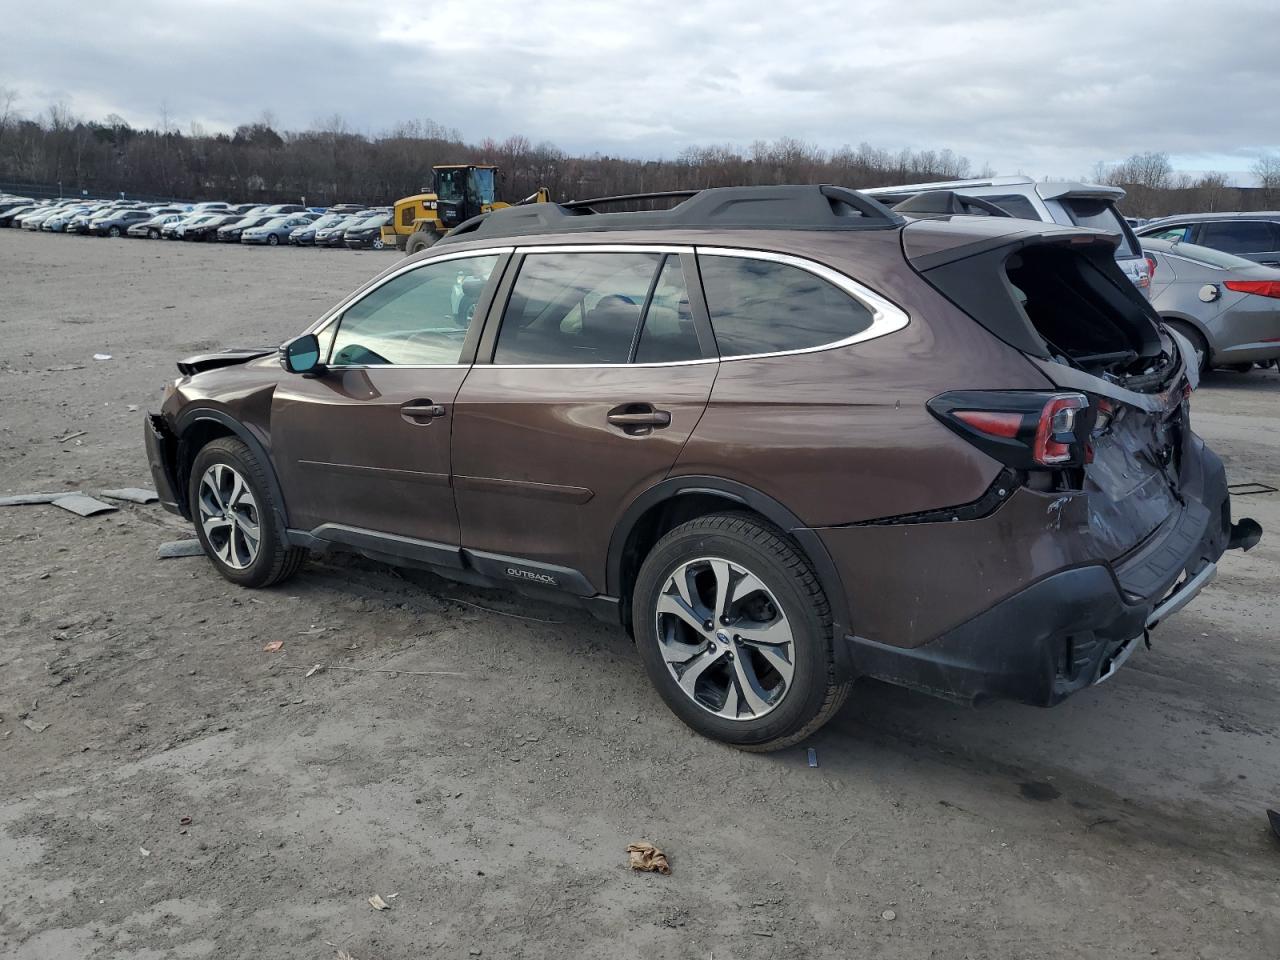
229, 357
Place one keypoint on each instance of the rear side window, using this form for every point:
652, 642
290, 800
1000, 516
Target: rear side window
572, 308
1016, 206
762, 306
1101, 215
1239, 236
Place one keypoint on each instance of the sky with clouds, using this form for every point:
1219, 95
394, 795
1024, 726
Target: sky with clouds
1045, 87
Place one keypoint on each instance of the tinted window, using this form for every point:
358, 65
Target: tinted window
1238, 236
760, 306
668, 333
575, 308
1100, 215
1016, 205
418, 317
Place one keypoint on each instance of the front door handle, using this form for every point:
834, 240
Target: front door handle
421, 411
639, 419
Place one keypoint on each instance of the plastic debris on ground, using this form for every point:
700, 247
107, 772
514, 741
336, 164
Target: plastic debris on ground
132, 494
179, 548
273, 646
646, 857
22, 499
102, 356
813, 757
78, 503
378, 903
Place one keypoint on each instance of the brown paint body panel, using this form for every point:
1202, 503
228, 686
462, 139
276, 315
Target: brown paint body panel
540, 427
345, 454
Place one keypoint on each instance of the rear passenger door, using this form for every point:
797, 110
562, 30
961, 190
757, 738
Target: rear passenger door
582, 396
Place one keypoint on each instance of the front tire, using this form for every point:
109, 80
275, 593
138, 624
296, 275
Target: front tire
113, 232
419, 240
273, 240
235, 516
735, 631
377, 243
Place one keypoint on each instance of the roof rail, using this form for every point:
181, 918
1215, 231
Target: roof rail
811, 207
947, 185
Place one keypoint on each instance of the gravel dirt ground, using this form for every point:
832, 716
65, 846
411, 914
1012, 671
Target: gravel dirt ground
481, 761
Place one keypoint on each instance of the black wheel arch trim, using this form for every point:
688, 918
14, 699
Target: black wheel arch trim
769, 508
193, 415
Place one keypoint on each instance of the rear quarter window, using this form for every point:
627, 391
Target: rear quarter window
1239, 236
1016, 206
1101, 215
763, 306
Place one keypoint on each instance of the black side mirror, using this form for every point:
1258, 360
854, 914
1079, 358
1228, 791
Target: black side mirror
302, 355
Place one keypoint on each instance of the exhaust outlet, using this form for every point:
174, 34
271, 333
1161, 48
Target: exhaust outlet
1245, 534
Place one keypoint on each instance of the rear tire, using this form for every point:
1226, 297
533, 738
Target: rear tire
759, 672
236, 517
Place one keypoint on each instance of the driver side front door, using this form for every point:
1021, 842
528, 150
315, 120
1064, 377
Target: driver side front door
363, 448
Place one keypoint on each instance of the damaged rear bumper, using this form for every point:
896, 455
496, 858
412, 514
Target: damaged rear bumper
1074, 627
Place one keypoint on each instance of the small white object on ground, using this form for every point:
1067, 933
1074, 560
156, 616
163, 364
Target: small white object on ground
378, 903
102, 356
82, 505
889, 915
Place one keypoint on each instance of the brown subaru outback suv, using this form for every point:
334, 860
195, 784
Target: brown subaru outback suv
782, 435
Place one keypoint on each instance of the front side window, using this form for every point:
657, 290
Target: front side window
1238, 236
1174, 234
574, 308
762, 306
419, 317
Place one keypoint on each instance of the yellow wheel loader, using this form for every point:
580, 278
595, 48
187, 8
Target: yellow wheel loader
461, 191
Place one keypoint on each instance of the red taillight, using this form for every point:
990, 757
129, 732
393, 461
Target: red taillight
1056, 431
1262, 288
1151, 269
1023, 429
991, 422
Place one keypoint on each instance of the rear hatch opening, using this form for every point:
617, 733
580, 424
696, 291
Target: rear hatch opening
1113, 433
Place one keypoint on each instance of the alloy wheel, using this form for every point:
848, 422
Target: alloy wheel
229, 516
725, 638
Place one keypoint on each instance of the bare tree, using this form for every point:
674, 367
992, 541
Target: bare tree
1267, 169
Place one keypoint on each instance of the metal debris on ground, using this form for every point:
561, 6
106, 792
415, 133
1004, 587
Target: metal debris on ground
72, 436
179, 548
132, 494
644, 856
273, 646
378, 903
22, 499
84, 506
313, 671
813, 757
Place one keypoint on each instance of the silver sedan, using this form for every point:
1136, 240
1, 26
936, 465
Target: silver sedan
1228, 307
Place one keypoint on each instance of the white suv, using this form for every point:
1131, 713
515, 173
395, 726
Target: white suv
1051, 201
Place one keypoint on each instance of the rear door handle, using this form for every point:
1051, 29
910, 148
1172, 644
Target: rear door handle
421, 411
639, 419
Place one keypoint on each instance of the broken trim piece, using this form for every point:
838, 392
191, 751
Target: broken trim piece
1002, 487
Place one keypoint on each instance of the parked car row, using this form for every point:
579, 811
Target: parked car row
1212, 277
350, 225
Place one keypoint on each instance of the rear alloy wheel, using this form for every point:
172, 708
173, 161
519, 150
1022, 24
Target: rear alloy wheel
273, 240
735, 632
235, 517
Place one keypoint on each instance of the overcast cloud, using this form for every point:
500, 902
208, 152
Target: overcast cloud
1034, 86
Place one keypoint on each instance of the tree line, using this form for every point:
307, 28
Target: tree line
330, 163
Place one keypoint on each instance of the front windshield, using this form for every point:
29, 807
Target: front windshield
327, 221
278, 222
